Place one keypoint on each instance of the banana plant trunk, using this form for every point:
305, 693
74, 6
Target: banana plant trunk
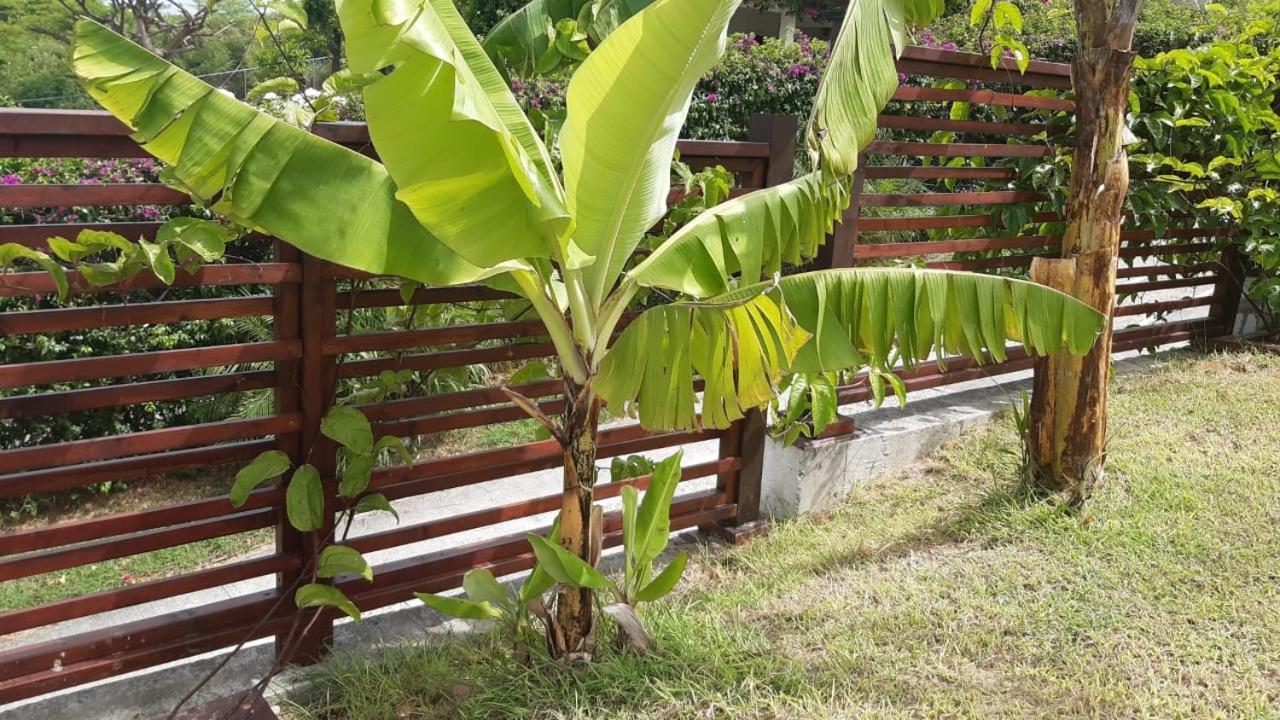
1068, 429
580, 522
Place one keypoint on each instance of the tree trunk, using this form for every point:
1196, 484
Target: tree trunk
1068, 428
579, 525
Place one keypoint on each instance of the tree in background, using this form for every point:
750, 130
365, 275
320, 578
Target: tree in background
35, 37
165, 27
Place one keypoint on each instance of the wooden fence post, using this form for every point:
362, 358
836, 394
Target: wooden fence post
306, 312
838, 251
780, 132
1226, 294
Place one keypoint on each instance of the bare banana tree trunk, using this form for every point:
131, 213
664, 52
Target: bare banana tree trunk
1068, 429
580, 530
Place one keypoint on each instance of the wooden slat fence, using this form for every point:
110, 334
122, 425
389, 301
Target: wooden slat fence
307, 302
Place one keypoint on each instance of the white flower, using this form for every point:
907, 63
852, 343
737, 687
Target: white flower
312, 93
270, 96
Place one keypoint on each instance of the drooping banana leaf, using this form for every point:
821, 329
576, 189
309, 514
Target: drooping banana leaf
859, 80
739, 343
742, 342
749, 236
321, 197
463, 155
859, 316
626, 104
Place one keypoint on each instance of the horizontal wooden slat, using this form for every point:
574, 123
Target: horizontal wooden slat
999, 197
42, 196
146, 363
68, 146
85, 318
912, 172
1160, 307
444, 402
1158, 270
940, 222
54, 560
421, 296
909, 93
145, 592
405, 339
73, 476
977, 264
19, 407
42, 121
75, 452
972, 127
36, 236
1162, 250
466, 419
912, 149
718, 148
1002, 76
1153, 285
40, 283
914, 249
446, 358
982, 60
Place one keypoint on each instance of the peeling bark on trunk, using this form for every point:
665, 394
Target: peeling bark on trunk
1068, 434
579, 524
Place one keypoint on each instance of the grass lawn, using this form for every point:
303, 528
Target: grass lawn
943, 592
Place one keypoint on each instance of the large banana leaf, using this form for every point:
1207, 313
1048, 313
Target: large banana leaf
749, 236
465, 158
323, 198
626, 105
741, 343
859, 80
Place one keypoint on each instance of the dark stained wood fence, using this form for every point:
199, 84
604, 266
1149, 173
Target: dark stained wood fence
944, 226
307, 301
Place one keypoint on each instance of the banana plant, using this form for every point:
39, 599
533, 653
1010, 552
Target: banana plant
466, 191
